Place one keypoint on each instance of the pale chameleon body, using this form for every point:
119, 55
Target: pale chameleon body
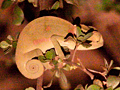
36, 38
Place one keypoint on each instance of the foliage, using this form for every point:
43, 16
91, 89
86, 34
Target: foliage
108, 5
9, 44
18, 14
111, 82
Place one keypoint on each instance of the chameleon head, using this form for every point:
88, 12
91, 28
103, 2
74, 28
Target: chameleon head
96, 38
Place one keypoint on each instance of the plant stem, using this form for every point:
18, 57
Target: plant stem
39, 83
85, 70
75, 50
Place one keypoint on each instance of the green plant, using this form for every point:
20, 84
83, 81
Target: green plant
111, 82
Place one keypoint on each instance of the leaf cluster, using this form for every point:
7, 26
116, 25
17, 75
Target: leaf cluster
111, 83
9, 44
17, 12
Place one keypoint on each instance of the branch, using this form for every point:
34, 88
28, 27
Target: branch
39, 83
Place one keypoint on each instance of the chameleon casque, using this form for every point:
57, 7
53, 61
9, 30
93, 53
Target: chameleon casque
42, 34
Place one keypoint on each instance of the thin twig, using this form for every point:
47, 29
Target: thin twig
81, 66
75, 50
39, 83
85, 70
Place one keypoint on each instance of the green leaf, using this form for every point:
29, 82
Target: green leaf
14, 44
31, 1
79, 87
55, 62
113, 81
50, 54
6, 4
79, 32
64, 84
18, 15
30, 88
86, 86
66, 67
93, 87
117, 88
109, 88
85, 37
42, 59
56, 5
86, 45
8, 41
4, 44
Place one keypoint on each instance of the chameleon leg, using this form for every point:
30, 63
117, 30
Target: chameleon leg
33, 53
55, 40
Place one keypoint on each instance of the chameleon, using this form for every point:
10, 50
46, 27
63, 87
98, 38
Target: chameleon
42, 34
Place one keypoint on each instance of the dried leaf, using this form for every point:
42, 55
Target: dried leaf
106, 63
50, 83
98, 82
21, 0
57, 74
6, 4
111, 63
56, 5
117, 68
113, 81
10, 37
34, 2
70, 1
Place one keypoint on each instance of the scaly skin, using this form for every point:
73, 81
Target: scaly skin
40, 35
